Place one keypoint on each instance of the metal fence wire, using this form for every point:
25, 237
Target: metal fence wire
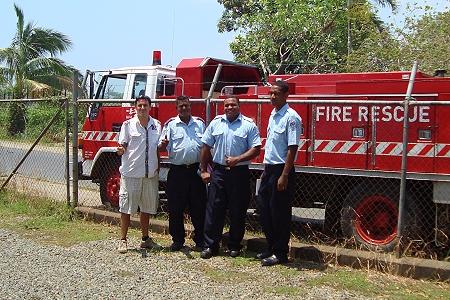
347, 182
33, 157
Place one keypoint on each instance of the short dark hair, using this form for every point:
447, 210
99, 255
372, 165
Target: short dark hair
181, 98
142, 97
283, 85
232, 97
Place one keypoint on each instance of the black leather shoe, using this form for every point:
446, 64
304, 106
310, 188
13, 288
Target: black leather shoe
176, 246
197, 249
235, 253
263, 255
208, 253
272, 260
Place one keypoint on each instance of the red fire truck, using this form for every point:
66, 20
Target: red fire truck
350, 153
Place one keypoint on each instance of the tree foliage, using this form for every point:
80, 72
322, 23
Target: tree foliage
297, 36
424, 39
29, 65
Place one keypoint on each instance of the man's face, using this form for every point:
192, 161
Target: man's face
142, 108
231, 108
277, 97
184, 108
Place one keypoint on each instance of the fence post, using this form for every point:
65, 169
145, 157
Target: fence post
75, 141
66, 146
401, 202
210, 93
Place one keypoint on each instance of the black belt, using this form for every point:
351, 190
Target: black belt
191, 166
270, 167
228, 168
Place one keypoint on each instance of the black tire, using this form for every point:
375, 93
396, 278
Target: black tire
332, 225
110, 184
370, 214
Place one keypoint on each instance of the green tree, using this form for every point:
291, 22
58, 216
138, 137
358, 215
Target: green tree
296, 36
424, 39
427, 40
30, 66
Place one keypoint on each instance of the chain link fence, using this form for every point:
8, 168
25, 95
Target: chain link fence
348, 179
33, 156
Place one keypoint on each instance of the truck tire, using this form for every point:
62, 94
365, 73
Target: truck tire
370, 214
331, 224
110, 185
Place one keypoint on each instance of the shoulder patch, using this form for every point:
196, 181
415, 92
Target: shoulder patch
170, 120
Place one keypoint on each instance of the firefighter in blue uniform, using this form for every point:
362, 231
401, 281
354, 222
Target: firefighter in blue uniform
181, 136
235, 141
277, 181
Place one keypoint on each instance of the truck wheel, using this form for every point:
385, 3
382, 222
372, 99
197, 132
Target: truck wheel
370, 215
110, 185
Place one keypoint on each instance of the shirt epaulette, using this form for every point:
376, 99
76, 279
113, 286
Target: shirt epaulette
157, 121
170, 120
200, 119
248, 119
218, 117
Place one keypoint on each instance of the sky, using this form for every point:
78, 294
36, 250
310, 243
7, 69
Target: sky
111, 33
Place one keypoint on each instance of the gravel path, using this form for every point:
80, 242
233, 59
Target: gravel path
94, 270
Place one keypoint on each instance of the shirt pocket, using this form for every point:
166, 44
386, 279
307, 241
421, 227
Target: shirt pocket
217, 133
280, 130
153, 137
135, 137
240, 137
177, 140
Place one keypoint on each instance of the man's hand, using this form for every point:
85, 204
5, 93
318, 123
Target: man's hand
206, 176
163, 144
232, 161
120, 150
282, 183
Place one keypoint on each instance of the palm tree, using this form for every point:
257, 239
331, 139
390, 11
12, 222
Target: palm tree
29, 65
377, 21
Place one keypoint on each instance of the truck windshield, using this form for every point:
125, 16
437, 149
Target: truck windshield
112, 87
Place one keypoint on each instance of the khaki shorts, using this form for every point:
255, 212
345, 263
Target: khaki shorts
142, 192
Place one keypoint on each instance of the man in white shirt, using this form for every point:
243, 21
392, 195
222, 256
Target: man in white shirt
138, 146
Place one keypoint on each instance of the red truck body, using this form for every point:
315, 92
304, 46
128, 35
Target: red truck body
352, 131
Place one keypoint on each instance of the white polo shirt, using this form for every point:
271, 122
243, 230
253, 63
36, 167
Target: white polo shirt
140, 158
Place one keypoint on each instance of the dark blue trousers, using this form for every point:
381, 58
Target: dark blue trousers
185, 189
229, 188
275, 209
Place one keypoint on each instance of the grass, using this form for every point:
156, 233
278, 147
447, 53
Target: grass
53, 222
286, 290
373, 284
49, 221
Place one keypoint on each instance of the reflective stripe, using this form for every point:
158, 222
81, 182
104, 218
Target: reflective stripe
100, 136
382, 148
328, 146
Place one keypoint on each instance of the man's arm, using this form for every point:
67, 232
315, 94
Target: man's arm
163, 139
122, 141
289, 164
205, 160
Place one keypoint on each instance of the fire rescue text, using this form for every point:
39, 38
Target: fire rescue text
375, 113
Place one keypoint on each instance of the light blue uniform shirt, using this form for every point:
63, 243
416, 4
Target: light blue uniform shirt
184, 140
284, 130
231, 139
